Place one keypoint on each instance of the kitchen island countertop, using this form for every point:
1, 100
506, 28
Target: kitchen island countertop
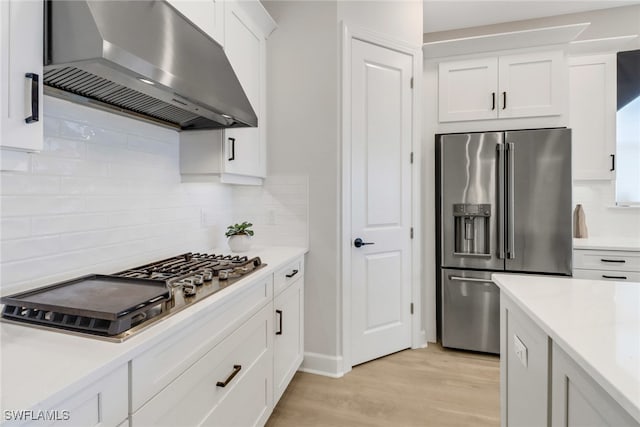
597, 323
38, 365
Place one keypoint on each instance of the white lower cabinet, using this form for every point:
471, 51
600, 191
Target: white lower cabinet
231, 385
104, 403
289, 335
578, 401
606, 265
525, 367
543, 386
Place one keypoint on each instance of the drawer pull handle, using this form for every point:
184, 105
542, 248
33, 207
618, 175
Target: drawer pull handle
614, 277
613, 260
279, 313
236, 369
293, 273
34, 98
233, 149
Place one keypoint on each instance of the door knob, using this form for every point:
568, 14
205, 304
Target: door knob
358, 243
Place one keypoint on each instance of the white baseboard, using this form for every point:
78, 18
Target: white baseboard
322, 364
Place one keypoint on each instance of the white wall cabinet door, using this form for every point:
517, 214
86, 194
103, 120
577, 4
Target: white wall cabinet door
511, 86
531, 84
468, 90
592, 109
21, 35
288, 344
244, 148
237, 156
208, 15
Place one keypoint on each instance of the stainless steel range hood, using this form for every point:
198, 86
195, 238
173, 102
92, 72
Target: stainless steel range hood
142, 59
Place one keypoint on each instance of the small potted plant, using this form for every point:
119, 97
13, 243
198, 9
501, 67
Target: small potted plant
239, 236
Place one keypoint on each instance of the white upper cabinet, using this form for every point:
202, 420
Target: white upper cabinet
21, 61
592, 106
237, 156
468, 90
245, 148
510, 86
208, 15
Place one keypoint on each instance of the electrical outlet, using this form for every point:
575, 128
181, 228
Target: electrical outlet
520, 349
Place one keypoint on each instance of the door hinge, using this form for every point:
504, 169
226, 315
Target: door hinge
411, 158
411, 232
411, 308
411, 83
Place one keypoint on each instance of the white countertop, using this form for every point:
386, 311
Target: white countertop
39, 364
597, 323
608, 243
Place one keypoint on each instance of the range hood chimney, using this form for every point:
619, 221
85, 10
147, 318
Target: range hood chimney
141, 59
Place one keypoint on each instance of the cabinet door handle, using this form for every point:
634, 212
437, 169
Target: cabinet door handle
613, 162
279, 331
233, 149
504, 100
621, 261
35, 79
236, 369
293, 273
493, 101
604, 276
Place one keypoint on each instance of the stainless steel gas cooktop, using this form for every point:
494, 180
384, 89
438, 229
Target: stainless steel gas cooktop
117, 306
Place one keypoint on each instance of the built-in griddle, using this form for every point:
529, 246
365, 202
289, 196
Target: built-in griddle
96, 304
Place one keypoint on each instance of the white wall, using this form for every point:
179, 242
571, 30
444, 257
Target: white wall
303, 84
302, 100
105, 195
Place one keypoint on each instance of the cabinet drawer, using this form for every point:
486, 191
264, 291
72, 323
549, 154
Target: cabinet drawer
620, 276
104, 403
287, 275
606, 260
157, 367
243, 362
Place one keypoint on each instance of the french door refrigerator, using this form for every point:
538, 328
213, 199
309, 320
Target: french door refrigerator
504, 205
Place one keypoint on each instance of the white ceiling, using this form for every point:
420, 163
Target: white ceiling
441, 15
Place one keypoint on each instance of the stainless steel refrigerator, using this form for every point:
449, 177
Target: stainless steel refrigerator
503, 205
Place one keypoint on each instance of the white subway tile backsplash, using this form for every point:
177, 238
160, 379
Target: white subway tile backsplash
40, 205
15, 161
602, 218
63, 147
19, 249
19, 183
71, 167
105, 194
14, 228
54, 224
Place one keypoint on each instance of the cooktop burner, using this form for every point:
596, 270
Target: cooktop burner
115, 307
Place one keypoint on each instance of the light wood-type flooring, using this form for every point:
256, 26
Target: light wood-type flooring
425, 387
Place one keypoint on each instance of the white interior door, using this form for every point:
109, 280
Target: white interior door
381, 111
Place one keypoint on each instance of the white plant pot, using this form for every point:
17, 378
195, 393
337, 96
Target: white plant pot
239, 242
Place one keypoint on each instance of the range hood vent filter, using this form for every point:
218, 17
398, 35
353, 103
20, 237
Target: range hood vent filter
102, 91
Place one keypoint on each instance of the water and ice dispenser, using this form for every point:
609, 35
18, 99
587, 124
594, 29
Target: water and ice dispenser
472, 229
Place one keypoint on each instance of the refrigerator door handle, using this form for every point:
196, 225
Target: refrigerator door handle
511, 250
500, 211
470, 279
